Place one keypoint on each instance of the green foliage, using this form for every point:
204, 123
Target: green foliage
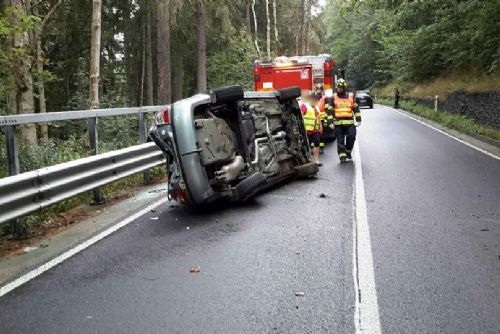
12, 21
412, 41
233, 64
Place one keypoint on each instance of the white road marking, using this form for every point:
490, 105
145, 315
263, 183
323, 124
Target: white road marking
59, 259
366, 316
449, 135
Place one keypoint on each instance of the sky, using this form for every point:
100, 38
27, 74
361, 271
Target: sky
319, 7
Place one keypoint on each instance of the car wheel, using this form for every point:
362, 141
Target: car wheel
249, 186
227, 94
289, 93
371, 105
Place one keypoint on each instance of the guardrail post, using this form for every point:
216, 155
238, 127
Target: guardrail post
17, 226
94, 148
12, 153
144, 138
436, 98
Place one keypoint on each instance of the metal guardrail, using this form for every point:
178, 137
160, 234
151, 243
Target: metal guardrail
28, 192
10, 123
73, 115
21, 194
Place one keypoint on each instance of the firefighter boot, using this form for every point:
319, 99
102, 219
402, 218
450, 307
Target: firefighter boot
348, 155
342, 157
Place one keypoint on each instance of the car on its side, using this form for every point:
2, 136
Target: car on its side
364, 99
227, 144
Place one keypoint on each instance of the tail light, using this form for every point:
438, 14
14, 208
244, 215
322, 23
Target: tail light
163, 117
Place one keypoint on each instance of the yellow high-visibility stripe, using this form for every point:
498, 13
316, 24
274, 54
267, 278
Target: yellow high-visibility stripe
343, 122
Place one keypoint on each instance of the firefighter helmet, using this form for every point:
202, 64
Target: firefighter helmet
341, 83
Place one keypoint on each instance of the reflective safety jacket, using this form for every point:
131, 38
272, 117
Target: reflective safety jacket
345, 109
328, 105
311, 118
322, 110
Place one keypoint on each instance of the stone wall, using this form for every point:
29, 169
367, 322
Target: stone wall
483, 107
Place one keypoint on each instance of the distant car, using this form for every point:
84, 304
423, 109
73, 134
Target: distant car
228, 145
364, 99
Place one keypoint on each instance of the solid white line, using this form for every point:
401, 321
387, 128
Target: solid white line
57, 260
449, 135
366, 312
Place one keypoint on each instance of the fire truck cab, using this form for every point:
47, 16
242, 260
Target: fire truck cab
303, 71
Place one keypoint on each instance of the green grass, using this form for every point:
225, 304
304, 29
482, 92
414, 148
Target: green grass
466, 81
460, 123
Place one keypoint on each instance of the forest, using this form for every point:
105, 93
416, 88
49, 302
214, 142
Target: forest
154, 52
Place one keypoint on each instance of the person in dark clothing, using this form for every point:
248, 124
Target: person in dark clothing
345, 111
396, 98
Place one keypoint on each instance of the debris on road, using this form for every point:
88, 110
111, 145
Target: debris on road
322, 195
154, 218
195, 269
29, 249
157, 190
298, 252
153, 210
299, 294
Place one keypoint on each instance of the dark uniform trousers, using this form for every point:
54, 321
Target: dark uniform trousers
346, 135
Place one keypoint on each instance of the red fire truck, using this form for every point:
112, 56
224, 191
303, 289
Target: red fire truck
303, 71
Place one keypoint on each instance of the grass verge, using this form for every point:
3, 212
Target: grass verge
460, 123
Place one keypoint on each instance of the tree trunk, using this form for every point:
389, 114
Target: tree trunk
255, 29
41, 87
201, 46
297, 45
95, 52
303, 24
276, 38
178, 79
308, 25
149, 58
163, 53
25, 98
248, 21
143, 66
268, 30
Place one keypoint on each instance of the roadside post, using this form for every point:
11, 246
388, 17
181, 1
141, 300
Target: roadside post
94, 148
143, 137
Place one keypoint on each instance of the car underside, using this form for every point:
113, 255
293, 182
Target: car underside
228, 145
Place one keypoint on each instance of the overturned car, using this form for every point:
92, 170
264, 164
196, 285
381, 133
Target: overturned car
228, 144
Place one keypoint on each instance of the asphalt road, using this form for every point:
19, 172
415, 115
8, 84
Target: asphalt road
433, 209
434, 214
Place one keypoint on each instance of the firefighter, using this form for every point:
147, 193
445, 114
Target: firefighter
345, 111
318, 90
312, 123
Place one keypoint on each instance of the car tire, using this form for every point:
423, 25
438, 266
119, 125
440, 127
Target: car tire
306, 170
227, 94
288, 93
371, 105
249, 186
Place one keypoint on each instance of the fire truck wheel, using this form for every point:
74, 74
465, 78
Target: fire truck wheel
289, 93
227, 94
